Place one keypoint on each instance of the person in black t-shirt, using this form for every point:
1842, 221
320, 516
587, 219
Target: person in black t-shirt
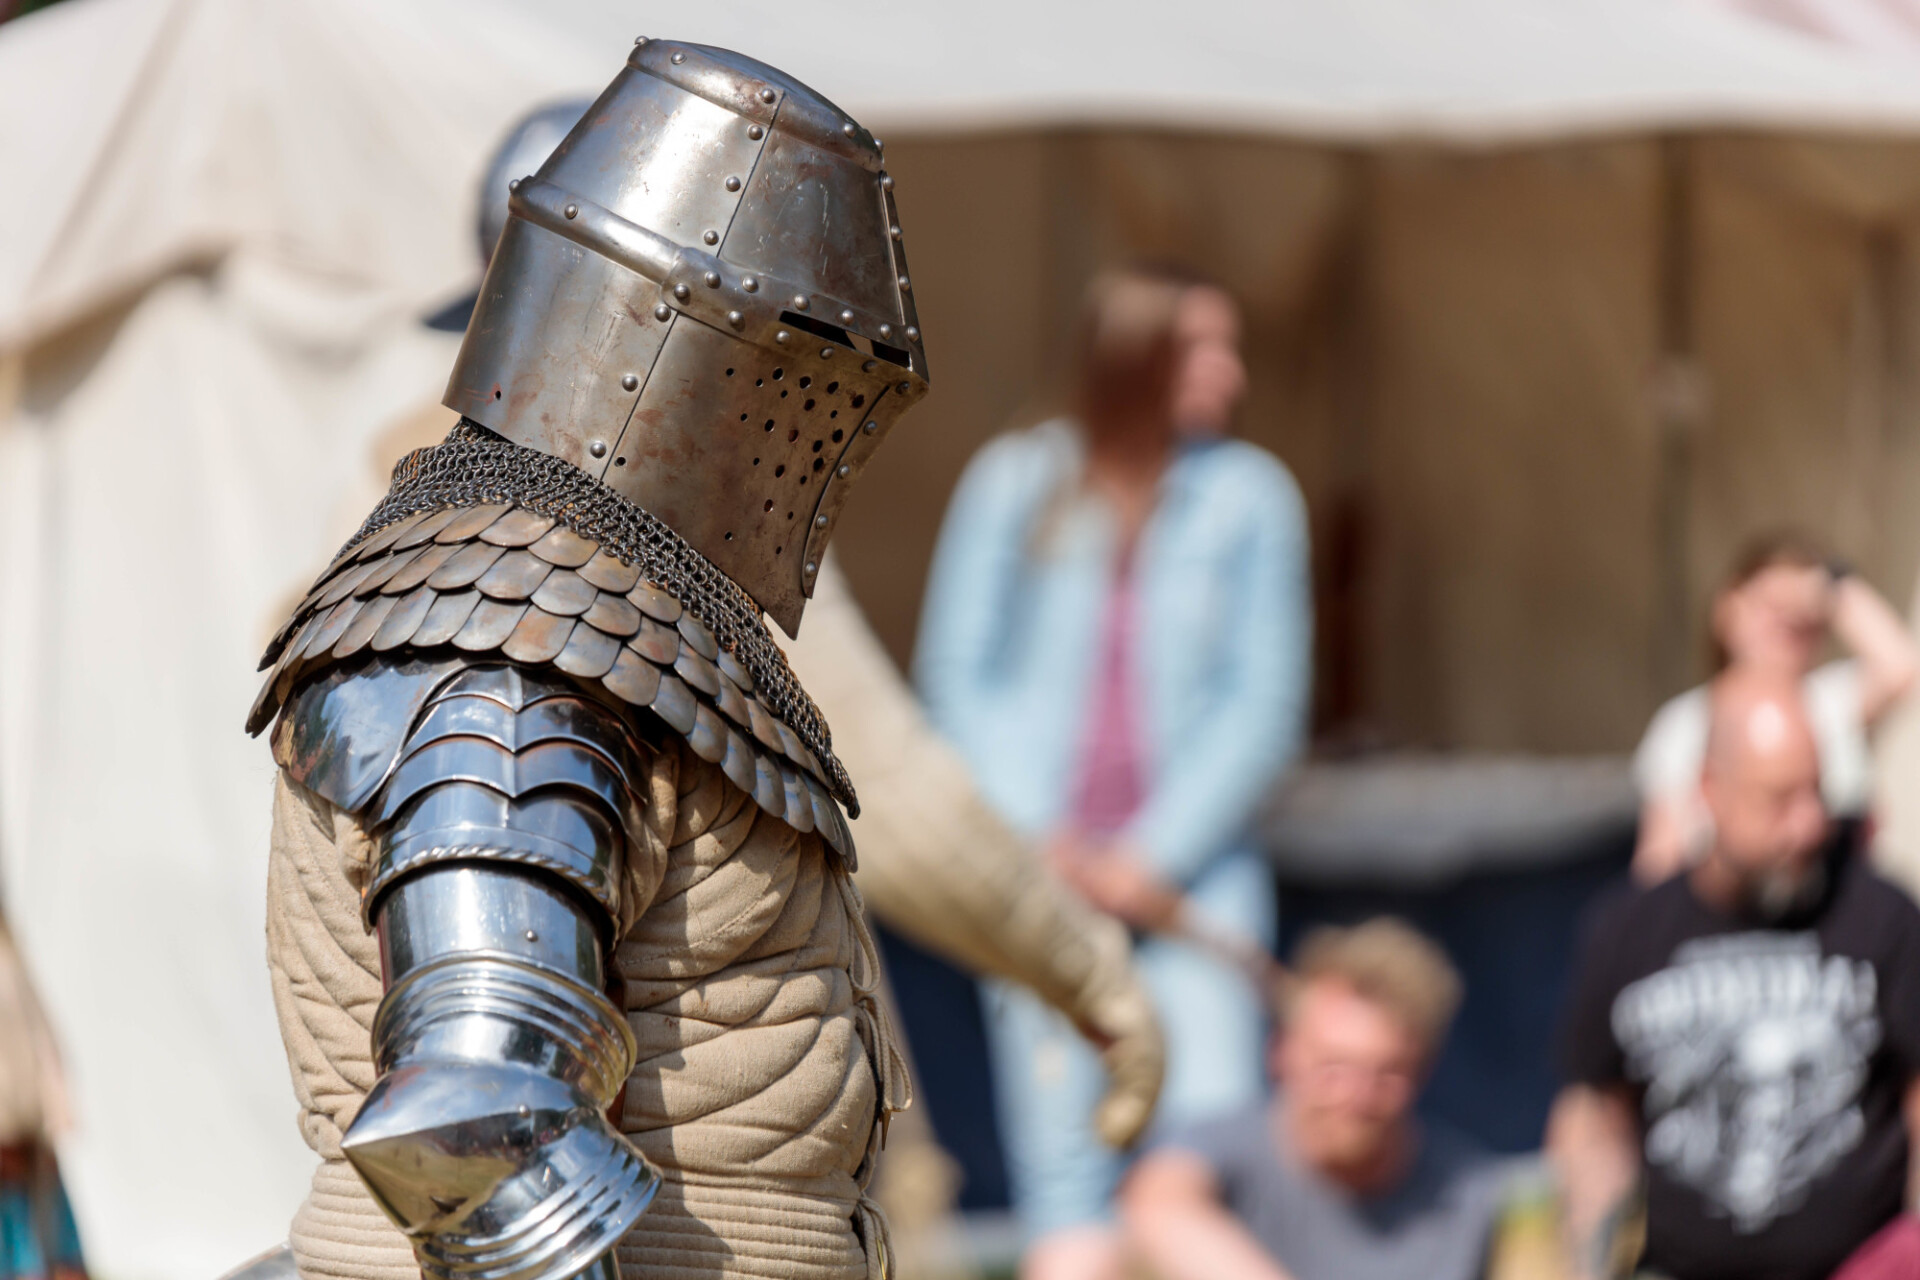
1743, 1040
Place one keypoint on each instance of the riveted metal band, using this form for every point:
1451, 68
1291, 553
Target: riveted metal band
488, 912
752, 304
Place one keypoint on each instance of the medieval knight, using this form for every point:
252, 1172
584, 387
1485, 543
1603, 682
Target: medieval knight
535, 735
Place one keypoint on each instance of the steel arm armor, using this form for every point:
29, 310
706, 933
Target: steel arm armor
502, 806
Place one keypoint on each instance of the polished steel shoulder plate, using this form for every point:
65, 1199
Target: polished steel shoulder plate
454, 588
506, 765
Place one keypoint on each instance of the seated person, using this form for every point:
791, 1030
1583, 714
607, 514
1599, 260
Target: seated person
1743, 1039
1333, 1179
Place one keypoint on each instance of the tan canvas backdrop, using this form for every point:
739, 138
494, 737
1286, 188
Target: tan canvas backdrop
1467, 359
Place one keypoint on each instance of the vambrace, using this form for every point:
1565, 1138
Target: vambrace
500, 835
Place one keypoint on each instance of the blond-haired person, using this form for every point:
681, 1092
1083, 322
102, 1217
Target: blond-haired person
1333, 1179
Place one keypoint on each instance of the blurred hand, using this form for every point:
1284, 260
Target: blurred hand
1112, 1008
1117, 1017
1116, 879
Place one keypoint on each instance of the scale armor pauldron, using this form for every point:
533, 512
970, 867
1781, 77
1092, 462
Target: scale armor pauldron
479, 578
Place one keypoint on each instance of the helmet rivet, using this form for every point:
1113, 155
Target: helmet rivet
819, 522
767, 95
681, 291
711, 237
755, 132
847, 128
886, 182
886, 331
905, 387
846, 317
879, 145
532, 936
781, 336
526, 1110
812, 568
598, 448
713, 279
894, 231
629, 382
733, 183
845, 471
639, 40
572, 211
871, 427
906, 285
513, 184
663, 312
750, 284
801, 302
735, 319
679, 58
826, 353
913, 334
870, 366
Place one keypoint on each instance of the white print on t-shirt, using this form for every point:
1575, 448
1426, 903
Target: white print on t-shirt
1754, 1048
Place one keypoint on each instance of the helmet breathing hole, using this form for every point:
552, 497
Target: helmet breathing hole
778, 550
832, 387
729, 374
805, 383
779, 374
817, 444
783, 395
780, 471
756, 462
759, 382
769, 505
743, 417
833, 413
769, 424
619, 462
819, 463
859, 400
793, 435
837, 436
729, 535
808, 405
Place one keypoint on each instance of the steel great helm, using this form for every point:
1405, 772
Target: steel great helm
702, 300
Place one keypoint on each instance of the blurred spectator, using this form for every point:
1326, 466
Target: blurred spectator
1334, 1179
37, 1236
1116, 637
1744, 1038
1774, 615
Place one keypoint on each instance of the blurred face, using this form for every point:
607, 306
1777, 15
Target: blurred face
1211, 378
1768, 818
1350, 1072
1777, 620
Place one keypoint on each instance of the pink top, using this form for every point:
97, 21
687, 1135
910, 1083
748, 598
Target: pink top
1110, 786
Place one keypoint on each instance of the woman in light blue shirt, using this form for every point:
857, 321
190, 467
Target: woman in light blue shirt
1117, 636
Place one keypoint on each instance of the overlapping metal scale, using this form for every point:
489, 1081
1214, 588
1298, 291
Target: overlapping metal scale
499, 579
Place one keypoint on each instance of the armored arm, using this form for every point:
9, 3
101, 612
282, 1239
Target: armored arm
944, 871
501, 824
